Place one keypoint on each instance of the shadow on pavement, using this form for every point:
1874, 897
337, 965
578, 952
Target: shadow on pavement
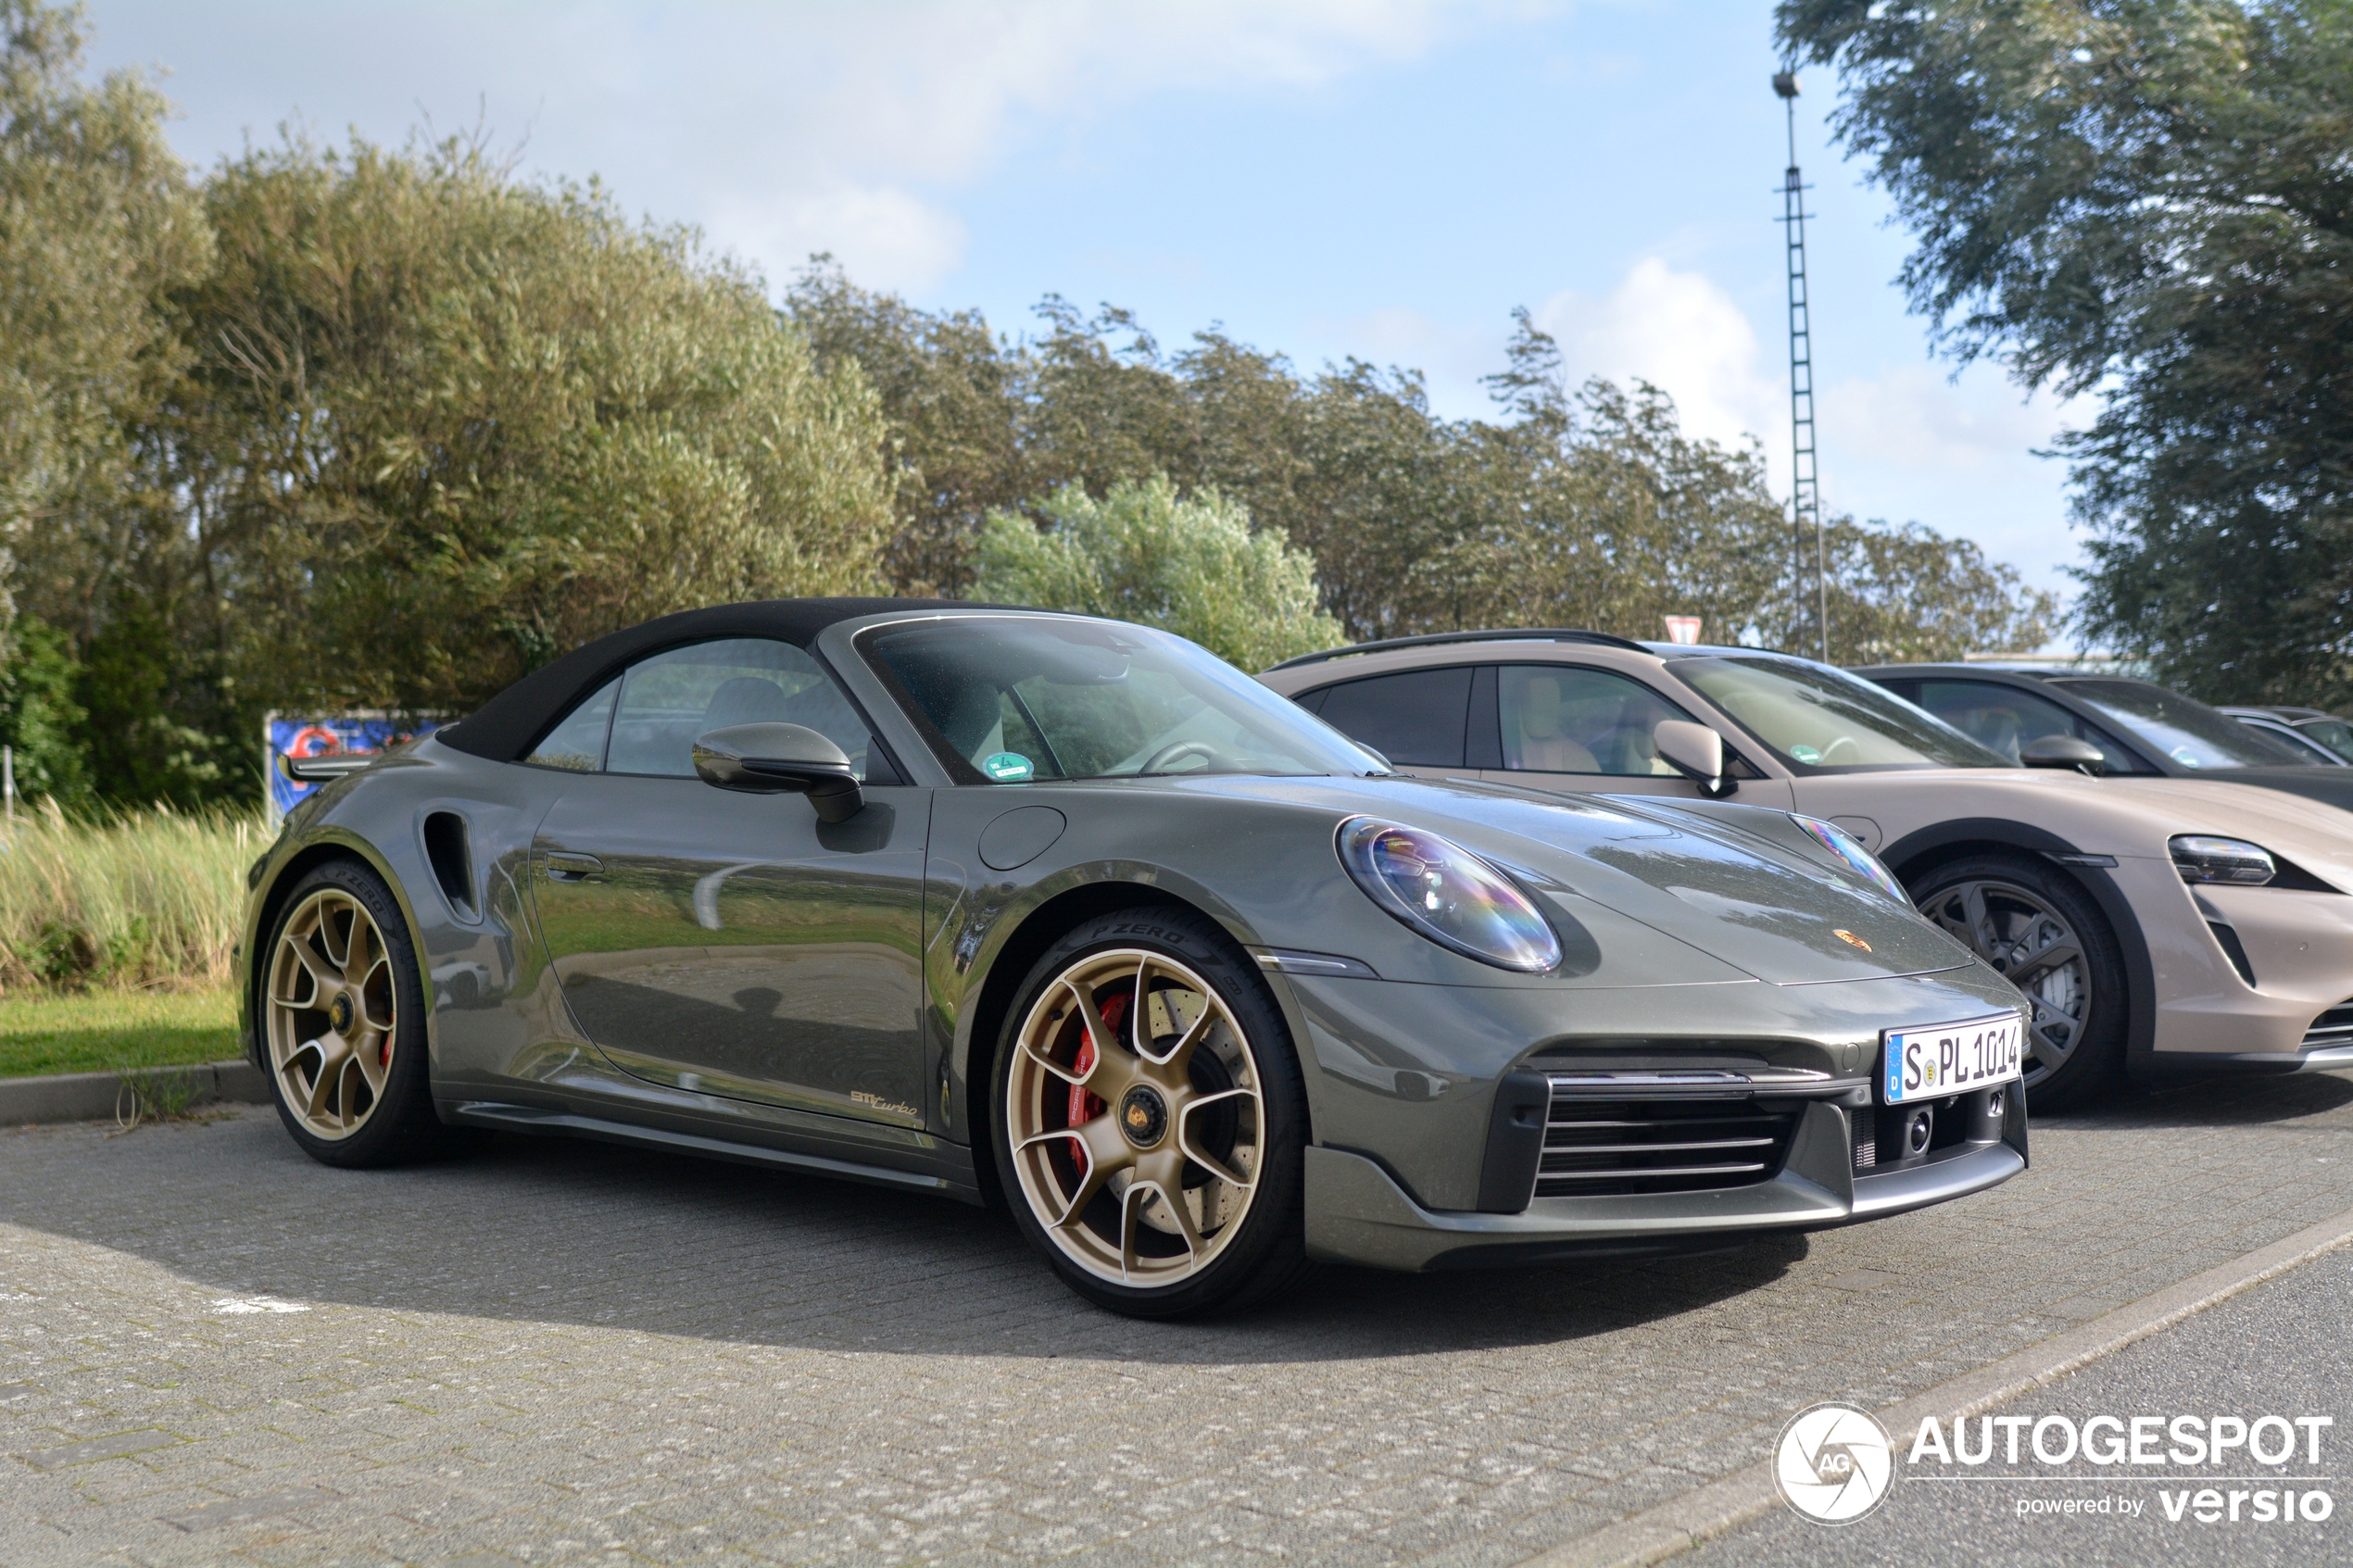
563, 1231
2235, 1101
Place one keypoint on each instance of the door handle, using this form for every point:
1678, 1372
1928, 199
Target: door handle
565, 866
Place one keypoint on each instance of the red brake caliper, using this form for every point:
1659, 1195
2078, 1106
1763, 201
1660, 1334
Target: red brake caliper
1084, 1107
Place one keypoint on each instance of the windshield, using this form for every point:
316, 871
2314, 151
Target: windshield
1004, 699
1817, 719
2190, 733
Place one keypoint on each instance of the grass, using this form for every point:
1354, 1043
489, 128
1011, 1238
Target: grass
112, 1031
141, 899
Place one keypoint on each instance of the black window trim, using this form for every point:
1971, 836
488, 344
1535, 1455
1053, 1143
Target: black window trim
617, 674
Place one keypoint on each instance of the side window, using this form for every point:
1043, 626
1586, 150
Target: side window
1414, 719
2006, 719
669, 699
1567, 718
577, 743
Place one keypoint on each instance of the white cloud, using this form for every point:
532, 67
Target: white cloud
1905, 443
789, 128
1683, 335
1915, 416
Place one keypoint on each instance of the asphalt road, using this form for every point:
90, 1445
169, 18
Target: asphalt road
2280, 1348
213, 1350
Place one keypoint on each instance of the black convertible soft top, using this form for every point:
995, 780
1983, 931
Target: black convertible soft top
506, 727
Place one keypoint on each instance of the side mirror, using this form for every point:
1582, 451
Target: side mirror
781, 759
2063, 751
1695, 751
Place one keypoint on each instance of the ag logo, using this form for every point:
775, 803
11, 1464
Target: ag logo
1834, 1464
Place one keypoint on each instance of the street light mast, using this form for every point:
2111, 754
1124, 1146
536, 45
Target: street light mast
1806, 497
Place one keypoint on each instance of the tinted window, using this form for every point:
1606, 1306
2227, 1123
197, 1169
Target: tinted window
2005, 718
1817, 717
577, 743
2189, 731
1003, 699
1416, 718
2335, 733
1565, 719
669, 699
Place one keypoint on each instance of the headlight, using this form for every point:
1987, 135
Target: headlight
1448, 894
2233, 860
1849, 848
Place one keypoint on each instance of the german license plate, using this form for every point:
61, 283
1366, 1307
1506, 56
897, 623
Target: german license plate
1949, 1059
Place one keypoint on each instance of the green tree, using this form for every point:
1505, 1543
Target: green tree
2148, 199
39, 715
99, 228
1910, 594
445, 425
1144, 553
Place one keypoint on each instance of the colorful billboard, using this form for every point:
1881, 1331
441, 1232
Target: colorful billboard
347, 734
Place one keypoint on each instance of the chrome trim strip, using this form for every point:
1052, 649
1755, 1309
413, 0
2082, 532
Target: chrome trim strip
1628, 1175
1696, 1082
1651, 1147
1283, 960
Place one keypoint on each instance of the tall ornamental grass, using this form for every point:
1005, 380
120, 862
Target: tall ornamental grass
141, 898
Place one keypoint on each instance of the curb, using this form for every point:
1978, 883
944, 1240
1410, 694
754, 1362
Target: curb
93, 1096
1682, 1523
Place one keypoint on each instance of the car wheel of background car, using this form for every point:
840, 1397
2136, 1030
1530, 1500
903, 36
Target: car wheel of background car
343, 1018
2044, 935
1150, 1118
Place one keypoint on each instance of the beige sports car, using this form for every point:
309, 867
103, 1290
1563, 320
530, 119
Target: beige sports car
2155, 925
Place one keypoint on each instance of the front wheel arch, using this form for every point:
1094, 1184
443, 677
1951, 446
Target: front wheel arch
1917, 856
1038, 929
331, 845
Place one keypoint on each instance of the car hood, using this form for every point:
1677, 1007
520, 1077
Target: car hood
1773, 912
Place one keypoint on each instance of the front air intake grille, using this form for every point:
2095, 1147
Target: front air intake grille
2333, 1027
1607, 1147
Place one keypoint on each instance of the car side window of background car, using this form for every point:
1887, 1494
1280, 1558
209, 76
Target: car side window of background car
1568, 718
2005, 719
577, 743
1415, 719
669, 699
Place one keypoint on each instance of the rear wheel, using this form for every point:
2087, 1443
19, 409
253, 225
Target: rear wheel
343, 1022
2042, 931
1150, 1118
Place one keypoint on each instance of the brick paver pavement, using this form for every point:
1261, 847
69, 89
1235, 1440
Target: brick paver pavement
213, 1350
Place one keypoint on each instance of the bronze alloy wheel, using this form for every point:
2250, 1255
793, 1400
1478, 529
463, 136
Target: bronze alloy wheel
1135, 1118
332, 1014
2034, 946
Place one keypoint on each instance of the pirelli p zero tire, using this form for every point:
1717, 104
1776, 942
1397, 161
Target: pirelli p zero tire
341, 1014
1150, 1118
2035, 925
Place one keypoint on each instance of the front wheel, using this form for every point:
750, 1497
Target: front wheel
343, 1020
2043, 934
1150, 1118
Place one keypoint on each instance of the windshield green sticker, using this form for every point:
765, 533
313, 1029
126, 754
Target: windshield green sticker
1803, 753
1006, 767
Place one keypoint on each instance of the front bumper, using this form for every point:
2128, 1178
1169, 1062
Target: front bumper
1358, 1213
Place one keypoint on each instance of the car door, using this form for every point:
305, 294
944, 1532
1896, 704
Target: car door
728, 943
1575, 727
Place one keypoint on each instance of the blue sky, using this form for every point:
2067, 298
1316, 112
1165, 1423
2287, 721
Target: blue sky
1386, 179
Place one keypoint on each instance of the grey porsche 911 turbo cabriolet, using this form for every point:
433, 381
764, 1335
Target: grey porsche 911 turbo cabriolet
1006, 905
